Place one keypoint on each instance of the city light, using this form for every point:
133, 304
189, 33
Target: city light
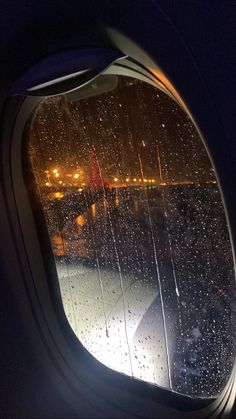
80, 220
58, 195
111, 182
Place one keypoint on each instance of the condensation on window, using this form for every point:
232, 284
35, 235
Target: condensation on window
139, 235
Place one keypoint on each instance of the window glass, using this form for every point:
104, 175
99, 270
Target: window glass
139, 235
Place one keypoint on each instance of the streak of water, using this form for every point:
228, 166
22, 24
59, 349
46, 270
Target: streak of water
167, 224
171, 251
158, 274
75, 126
119, 268
97, 263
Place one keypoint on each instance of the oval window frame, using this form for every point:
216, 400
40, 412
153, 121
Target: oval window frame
10, 178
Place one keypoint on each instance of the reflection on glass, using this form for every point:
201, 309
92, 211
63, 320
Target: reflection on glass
139, 236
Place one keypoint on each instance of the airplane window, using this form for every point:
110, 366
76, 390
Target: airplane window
139, 235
